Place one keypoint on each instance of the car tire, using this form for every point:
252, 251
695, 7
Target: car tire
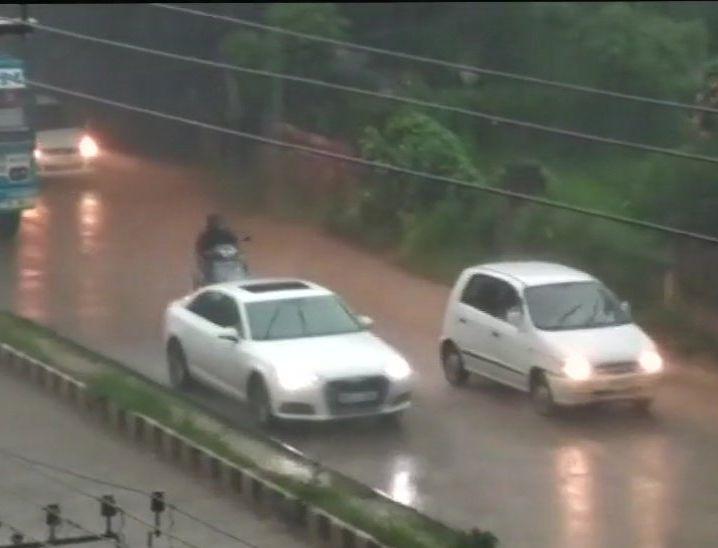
178, 371
453, 366
261, 405
542, 397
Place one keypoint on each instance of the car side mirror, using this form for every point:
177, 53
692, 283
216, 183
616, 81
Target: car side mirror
365, 321
229, 334
515, 317
626, 307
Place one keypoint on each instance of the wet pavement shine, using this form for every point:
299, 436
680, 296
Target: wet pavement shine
100, 257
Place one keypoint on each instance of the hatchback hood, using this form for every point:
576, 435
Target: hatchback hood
59, 138
330, 357
599, 345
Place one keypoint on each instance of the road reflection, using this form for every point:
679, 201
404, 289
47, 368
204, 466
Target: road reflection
650, 493
31, 292
91, 300
402, 487
576, 490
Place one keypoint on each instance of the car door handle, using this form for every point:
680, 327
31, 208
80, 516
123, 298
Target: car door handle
462, 320
495, 334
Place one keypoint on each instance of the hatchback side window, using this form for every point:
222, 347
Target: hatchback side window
490, 295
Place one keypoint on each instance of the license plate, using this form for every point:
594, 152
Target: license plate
357, 397
620, 385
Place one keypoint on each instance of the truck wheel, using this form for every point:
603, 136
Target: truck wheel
541, 396
9, 224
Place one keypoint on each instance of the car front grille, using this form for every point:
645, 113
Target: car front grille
60, 151
356, 394
617, 368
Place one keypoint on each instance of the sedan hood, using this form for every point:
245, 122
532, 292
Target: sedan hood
599, 345
59, 138
331, 357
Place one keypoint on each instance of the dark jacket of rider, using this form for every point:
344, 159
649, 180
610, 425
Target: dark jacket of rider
214, 234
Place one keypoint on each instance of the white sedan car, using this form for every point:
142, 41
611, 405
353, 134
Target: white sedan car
63, 146
290, 348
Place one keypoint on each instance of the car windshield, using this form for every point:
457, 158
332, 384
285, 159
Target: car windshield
297, 318
53, 117
580, 305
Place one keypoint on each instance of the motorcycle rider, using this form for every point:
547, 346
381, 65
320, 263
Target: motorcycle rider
215, 233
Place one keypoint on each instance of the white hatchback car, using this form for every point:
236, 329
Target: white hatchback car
550, 330
291, 348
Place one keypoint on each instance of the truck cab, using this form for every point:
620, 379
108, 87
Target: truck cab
19, 185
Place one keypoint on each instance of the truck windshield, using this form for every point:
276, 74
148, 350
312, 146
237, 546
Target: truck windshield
580, 305
12, 109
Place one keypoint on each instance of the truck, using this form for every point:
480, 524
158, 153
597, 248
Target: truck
19, 183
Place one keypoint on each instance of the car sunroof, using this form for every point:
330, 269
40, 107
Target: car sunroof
275, 286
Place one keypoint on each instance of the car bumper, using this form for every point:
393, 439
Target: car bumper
610, 388
67, 167
313, 404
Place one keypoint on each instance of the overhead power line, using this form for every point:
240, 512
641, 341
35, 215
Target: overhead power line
72, 488
439, 62
494, 119
389, 167
123, 487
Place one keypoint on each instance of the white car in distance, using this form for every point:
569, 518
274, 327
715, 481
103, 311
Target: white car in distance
550, 330
290, 348
64, 147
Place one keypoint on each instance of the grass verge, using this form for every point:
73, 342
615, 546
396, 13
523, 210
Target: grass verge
391, 523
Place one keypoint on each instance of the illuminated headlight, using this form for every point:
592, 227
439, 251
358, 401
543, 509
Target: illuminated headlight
398, 370
296, 378
651, 361
577, 368
38, 154
88, 147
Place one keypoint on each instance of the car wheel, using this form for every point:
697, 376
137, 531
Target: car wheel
542, 397
177, 367
453, 365
260, 405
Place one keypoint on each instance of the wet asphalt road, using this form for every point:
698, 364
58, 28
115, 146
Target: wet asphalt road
100, 258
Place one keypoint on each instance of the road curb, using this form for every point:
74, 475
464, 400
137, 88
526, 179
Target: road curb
322, 528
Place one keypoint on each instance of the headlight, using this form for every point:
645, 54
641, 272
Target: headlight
651, 361
577, 368
88, 147
38, 154
398, 370
296, 378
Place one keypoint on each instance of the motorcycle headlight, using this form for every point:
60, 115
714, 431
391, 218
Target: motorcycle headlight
398, 370
577, 368
651, 361
296, 378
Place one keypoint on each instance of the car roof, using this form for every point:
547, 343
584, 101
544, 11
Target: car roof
531, 273
271, 289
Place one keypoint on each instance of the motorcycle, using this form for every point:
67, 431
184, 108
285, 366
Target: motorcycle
222, 263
